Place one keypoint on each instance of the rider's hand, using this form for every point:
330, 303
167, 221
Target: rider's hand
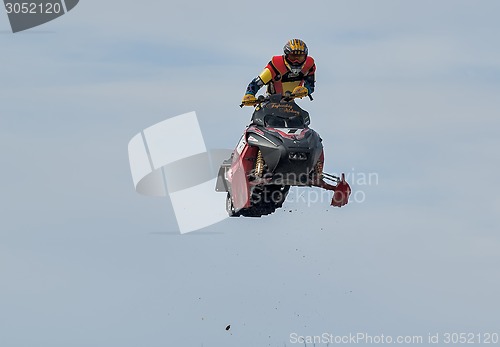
249, 100
300, 91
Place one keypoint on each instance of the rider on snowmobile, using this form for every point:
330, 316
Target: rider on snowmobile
293, 71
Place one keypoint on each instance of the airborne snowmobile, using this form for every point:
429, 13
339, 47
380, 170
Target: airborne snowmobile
277, 150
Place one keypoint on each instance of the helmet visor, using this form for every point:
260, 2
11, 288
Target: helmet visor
296, 58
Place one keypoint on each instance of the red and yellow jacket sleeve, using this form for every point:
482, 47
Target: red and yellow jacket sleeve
262, 79
259, 81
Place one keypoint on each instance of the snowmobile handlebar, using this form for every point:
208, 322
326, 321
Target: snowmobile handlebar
287, 97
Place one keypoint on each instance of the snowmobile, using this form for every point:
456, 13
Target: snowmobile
276, 151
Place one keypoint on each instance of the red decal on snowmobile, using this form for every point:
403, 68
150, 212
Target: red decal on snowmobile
290, 134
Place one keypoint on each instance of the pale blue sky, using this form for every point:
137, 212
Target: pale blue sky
408, 90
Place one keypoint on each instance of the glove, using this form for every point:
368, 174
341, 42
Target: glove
300, 92
249, 100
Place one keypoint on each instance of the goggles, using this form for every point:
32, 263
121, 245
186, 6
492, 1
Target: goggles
296, 57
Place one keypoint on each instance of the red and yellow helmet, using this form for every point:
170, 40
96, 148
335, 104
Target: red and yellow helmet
295, 52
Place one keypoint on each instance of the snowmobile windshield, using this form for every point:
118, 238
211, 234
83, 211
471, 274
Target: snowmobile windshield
273, 121
295, 122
